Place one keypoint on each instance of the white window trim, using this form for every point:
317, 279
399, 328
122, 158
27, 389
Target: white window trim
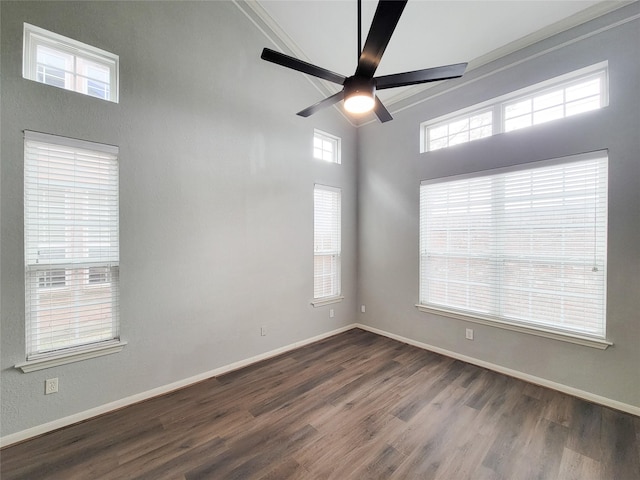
337, 158
72, 355
320, 302
537, 330
497, 104
34, 36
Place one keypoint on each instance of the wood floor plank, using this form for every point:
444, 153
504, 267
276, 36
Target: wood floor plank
353, 406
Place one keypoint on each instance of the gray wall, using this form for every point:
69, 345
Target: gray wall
216, 186
390, 175
216, 206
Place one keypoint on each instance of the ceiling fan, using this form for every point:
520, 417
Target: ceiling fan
359, 90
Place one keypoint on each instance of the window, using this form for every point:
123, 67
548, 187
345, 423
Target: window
460, 130
524, 246
326, 260
66, 63
326, 147
576, 92
551, 104
71, 244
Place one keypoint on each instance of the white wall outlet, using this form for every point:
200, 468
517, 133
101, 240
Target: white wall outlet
263, 331
331, 313
51, 386
362, 309
469, 334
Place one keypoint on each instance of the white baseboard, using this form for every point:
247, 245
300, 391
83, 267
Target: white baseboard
592, 397
109, 407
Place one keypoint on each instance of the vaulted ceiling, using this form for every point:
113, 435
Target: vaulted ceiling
430, 33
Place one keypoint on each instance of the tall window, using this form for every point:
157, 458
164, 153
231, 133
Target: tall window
66, 63
523, 245
326, 147
326, 260
71, 244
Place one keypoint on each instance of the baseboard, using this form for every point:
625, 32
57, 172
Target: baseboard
124, 402
607, 402
109, 407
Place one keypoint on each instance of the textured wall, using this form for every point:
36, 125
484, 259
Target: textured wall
216, 197
391, 170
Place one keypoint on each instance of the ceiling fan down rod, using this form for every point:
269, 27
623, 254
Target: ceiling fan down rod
359, 30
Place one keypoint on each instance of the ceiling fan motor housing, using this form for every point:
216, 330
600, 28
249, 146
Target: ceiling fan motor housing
358, 85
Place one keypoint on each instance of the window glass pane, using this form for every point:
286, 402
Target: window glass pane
584, 105
326, 147
482, 120
548, 114
438, 132
517, 109
439, 143
517, 122
582, 90
458, 126
548, 100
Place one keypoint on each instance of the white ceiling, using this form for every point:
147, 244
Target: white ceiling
430, 33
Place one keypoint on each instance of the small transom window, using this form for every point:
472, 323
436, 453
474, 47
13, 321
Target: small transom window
66, 63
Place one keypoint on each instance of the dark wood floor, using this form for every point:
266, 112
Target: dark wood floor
354, 406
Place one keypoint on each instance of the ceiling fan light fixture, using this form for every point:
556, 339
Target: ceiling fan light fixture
359, 95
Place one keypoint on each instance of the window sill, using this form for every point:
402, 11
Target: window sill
319, 302
586, 341
71, 356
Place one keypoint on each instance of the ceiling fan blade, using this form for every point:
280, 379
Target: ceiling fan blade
304, 67
381, 112
322, 104
384, 23
420, 76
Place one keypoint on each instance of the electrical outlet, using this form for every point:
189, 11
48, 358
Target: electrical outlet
362, 309
51, 386
331, 313
469, 334
263, 331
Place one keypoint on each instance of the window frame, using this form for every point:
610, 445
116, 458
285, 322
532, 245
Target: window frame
77, 53
42, 270
336, 157
492, 316
318, 251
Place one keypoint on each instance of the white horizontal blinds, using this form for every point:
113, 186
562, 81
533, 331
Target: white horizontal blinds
525, 246
458, 246
71, 243
326, 219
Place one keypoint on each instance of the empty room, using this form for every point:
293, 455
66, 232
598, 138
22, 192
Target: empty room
267, 239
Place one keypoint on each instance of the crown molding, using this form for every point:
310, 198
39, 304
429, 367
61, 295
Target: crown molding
277, 35
279, 38
560, 26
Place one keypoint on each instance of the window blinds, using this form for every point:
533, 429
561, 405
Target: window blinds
326, 241
71, 243
521, 245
